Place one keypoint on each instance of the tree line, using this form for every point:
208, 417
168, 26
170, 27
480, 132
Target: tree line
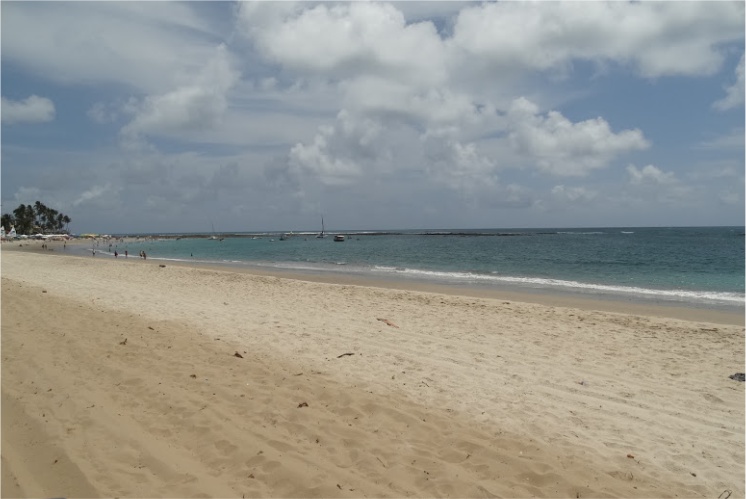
34, 218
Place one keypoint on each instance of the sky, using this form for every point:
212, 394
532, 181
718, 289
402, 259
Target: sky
146, 117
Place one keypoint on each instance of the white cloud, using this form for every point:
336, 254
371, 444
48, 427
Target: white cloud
561, 147
319, 159
573, 194
732, 141
733, 94
199, 105
428, 109
513, 196
28, 195
508, 37
350, 39
97, 192
339, 154
371, 105
103, 113
650, 184
649, 174
33, 109
407, 74
550, 35
146, 45
726, 169
458, 166
731, 197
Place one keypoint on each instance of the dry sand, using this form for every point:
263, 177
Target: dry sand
119, 378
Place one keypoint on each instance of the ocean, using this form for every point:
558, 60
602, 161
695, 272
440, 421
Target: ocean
691, 266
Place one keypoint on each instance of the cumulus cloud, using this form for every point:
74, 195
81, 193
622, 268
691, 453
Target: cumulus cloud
653, 183
33, 109
342, 40
329, 101
573, 194
376, 38
103, 113
649, 174
548, 35
319, 158
457, 165
197, 105
395, 72
432, 105
561, 147
359, 147
734, 93
339, 154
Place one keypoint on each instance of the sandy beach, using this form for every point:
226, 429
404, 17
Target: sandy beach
127, 378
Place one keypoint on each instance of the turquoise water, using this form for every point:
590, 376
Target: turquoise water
702, 266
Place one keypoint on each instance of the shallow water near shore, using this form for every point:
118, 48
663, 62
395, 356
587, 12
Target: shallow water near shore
687, 266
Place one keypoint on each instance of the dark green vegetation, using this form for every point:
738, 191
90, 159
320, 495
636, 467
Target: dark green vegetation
35, 218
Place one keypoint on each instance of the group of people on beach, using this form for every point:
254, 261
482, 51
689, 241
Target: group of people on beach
126, 254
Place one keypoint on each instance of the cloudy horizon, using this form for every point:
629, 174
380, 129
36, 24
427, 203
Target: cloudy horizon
136, 117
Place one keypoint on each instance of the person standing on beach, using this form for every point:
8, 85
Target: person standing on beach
116, 255
126, 254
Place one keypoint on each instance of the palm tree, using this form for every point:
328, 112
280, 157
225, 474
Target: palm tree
50, 215
41, 212
24, 218
6, 221
37, 216
30, 217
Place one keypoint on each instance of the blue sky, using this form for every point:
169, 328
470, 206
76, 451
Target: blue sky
172, 117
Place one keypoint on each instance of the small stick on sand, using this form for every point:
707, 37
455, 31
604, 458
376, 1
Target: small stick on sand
389, 323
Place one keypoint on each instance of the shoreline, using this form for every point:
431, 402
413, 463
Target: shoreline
717, 314
545, 297
128, 384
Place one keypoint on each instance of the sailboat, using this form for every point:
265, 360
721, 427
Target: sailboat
214, 237
321, 234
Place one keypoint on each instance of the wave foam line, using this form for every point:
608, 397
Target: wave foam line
731, 298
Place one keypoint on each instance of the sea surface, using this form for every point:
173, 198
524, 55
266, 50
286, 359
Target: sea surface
692, 266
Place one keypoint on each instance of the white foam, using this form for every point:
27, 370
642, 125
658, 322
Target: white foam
671, 294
